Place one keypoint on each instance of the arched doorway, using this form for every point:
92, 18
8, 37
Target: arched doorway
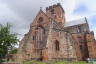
57, 46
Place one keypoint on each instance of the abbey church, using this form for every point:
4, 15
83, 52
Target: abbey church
52, 38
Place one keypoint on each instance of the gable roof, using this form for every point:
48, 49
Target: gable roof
75, 22
40, 12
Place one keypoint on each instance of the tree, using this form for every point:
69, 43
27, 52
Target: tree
7, 40
13, 51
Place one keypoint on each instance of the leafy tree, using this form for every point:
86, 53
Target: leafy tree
7, 40
14, 51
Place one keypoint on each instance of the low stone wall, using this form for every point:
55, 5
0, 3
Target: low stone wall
9, 63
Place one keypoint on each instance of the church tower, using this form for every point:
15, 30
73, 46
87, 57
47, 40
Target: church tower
56, 12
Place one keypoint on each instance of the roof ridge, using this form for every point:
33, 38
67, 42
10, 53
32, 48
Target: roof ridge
75, 22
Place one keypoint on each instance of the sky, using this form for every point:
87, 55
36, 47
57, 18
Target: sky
20, 13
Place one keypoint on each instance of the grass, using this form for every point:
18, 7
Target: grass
79, 62
66, 62
59, 62
33, 62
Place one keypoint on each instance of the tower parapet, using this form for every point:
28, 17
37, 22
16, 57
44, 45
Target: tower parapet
56, 12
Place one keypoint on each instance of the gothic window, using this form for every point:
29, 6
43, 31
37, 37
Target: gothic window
40, 20
80, 39
81, 47
33, 37
40, 36
57, 48
79, 29
52, 11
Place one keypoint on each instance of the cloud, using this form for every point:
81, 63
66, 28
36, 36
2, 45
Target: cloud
8, 15
26, 9
20, 13
81, 9
89, 3
92, 22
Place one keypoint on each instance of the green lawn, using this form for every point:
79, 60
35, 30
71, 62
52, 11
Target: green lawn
66, 62
60, 62
33, 62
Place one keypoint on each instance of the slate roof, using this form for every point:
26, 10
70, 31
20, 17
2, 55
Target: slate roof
75, 22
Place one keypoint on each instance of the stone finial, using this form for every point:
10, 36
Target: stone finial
58, 4
46, 8
40, 8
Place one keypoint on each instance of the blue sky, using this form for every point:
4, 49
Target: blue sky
88, 9
81, 9
20, 13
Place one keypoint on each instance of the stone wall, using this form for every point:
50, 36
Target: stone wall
80, 46
77, 28
10, 63
91, 45
66, 47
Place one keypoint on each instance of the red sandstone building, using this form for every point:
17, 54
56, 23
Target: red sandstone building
51, 37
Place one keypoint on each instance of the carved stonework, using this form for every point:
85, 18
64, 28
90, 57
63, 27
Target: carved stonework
51, 38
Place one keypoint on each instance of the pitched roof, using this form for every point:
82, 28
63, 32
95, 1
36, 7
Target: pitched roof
75, 22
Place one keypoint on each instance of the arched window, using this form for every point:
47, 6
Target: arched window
40, 36
52, 11
40, 20
57, 48
79, 29
80, 39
